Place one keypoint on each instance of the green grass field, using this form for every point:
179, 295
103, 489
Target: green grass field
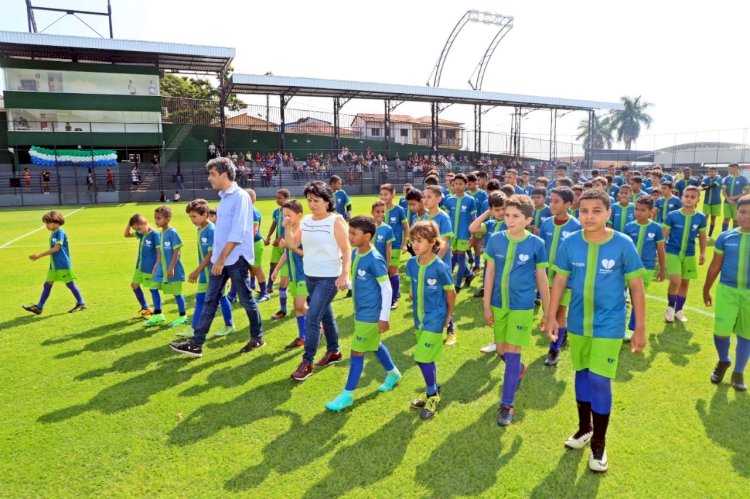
93, 404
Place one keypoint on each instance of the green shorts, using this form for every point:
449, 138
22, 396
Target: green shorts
366, 337
730, 210
429, 346
299, 288
276, 253
168, 288
459, 244
143, 278
283, 271
712, 210
732, 311
513, 326
565, 299
61, 275
202, 287
258, 248
685, 267
395, 257
598, 355
647, 276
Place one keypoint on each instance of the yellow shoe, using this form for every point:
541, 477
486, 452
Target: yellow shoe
450, 340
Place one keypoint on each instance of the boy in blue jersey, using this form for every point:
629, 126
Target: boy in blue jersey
577, 191
60, 265
680, 230
292, 260
343, 203
416, 207
478, 190
148, 240
734, 187
732, 261
624, 211
597, 263
277, 231
611, 189
648, 238
686, 180
256, 270
519, 257
198, 211
667, 203
462, 210
711, 185
168, 271
433, 300
489, 222
383, 238
371, 293
397, 218
541, 210
553, 231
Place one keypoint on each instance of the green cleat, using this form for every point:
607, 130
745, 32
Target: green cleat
225, 331
178, 321
186, 333
154, 320
391, 380
344, 400
430, 407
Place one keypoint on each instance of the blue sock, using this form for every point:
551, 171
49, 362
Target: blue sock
742, 353
76, 292
510, 379
384, 356
356, 364
269, 285
601, 393
232, 295
200, 299
562, 333
671, 300
450, 328
301, 326
680, 303
454, 260
262, 288
156, 299
477, 262
226, 310
46, 290
583, 387
502, 356
394, 287
282, 299
470, 255
462, 269
722, 348
711, 230
180, 299
138, 292
252, 282
631, 323
429, 372
725, 226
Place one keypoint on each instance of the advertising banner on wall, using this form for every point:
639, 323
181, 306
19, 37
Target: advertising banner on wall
79, 82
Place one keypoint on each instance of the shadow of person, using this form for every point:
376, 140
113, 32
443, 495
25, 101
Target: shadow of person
726, 424
91, 333
630, 363
117, 337
541, 387
561, 482
674, 340
471, 381
479, 449
25, 319
136, 361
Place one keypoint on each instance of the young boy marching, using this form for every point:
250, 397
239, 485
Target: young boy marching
148, 242
396, 217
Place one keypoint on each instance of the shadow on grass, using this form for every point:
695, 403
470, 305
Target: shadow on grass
136, 361
91, 333
456, 389
631, 363
540, 388
561, 482
26, 319
118, 335
726, 424
477, 450
674, 340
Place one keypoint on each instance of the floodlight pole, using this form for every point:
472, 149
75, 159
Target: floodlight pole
72, 12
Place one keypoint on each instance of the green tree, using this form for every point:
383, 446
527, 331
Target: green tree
602, 132
627, 123
194, 100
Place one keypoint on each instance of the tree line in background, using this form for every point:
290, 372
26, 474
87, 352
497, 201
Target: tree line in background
623, 126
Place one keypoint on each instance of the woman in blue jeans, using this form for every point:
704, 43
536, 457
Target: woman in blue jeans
327, 261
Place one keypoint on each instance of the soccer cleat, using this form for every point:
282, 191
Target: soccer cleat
491, 348
680, 316
479, 293
187, 348
524, 368
186, 333
537, 302
226, 330
738, 382
329, 358
251, 345
32, 308
263, 298
468, 279
417, 403
598, 460
505, 416
303, 371
450, 340
341, 402
579, 439
179, 321
552, 358
430, 407
349, 294
394, 305
458, 289
278, 315
144, 313
718, 374
669, 314
154, 320
296, 343
628, 335
391, 379
77, 308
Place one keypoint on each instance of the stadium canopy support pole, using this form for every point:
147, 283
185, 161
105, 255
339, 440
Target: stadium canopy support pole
552, 134
336, 131
478, 129
282, 123
434, 126
387, 128
589, 147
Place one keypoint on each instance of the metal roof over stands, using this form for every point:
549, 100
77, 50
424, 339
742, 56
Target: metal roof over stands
316, 87
165, 56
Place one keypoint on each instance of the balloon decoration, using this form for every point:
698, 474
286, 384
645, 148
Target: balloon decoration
73, 157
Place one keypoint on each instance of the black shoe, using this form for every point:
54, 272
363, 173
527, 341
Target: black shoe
537, 302
253, 344
349, 294
552, 358
738, 382
468, 279
458, 289
187, 348
718, 375
77, 308
505, 416
479, 293
32, 308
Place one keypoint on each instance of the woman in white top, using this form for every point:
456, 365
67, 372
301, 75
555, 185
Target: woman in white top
324, 236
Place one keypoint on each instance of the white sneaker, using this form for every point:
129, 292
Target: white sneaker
669, 314
577, 441
600, 464
680, 316
491, 348
628, 335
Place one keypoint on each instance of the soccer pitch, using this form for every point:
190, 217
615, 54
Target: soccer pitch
94, 404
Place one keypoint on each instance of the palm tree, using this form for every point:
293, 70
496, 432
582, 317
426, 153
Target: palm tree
602, 132
628, 122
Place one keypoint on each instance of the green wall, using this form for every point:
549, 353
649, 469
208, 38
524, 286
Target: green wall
81, 102
84, 139
7, 62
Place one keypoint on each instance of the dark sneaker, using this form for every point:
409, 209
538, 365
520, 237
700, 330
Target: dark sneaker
77, 308
394, 305
253, 344
296, 343
719, 371
552, 358
738, 382
32, 308
524, 368
349, 294
479, 293
430, 407
537, 302
329, 358
468, 279
458, 289
417, 404
278, 315
187, 348
505, 416
303, 371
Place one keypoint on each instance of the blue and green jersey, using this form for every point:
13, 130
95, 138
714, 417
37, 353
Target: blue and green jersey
383, 237
294, 265
540, 215
664, 206
278, 217
646, 237
735, 185
148, 245
735, 269
683, 229
553, 234
429, 284
479, 196
712, 187
516, 262
343, 203
462, 211
446, 230
170, 241
61, 259
395, 217
492, 226
621, 216
368, 271
205, 244
256, 221
682, 183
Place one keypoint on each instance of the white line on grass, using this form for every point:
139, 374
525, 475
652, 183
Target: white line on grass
692, 309
36, 230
